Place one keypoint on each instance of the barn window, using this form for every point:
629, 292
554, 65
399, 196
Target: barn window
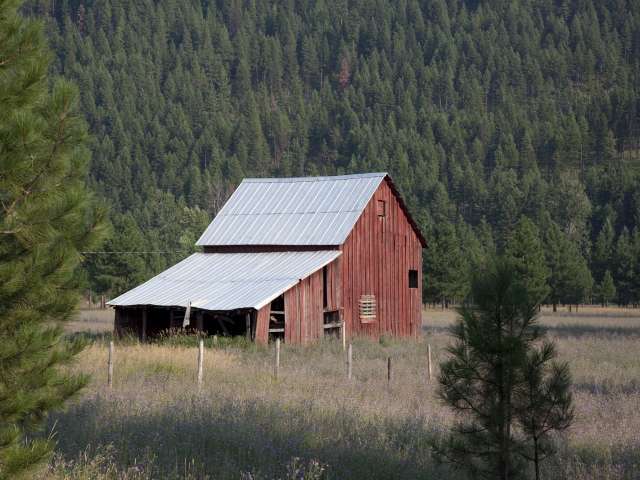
413, 279
382, 208
367, 308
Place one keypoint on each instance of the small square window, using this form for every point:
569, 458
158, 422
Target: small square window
413, 279
382, 208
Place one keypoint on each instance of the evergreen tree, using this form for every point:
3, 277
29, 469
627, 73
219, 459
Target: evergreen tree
624, 268
544, 403
501, 380
602, 251
47, 219
524, 250
446, 268
606, 289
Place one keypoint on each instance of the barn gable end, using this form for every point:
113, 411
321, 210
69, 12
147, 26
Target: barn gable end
376, 259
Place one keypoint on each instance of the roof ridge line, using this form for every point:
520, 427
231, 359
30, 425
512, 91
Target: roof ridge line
318, 178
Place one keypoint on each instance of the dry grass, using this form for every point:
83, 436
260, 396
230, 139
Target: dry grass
312, 421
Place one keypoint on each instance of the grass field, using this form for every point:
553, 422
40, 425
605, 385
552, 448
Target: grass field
314, 423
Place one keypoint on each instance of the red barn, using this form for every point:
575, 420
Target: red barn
293, 258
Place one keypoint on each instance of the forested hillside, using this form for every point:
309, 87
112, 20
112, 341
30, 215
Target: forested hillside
482, 112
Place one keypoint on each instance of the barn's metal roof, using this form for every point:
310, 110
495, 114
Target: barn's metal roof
227, 281
292, 211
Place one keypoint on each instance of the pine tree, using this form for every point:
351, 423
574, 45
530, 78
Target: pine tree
544, 403
446, 268
624, 268
602, 251
606, 289
501, 380
524, 250
479, 379
47, 219
570, 281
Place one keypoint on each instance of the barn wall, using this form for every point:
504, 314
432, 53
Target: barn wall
303, 305
303, 310
262, 324
376, 260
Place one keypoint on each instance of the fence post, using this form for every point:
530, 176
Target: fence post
215, 340
349, 361
110, 365
429, 360
276, 370
389, 371
343, 333
200, 361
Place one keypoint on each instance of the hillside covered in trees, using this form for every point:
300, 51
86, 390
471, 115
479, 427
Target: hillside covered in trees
482, 112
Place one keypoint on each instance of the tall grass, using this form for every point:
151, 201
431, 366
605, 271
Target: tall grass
313, 422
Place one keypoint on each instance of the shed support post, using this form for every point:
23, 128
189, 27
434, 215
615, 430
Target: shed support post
199, 322
143, 333
247, 317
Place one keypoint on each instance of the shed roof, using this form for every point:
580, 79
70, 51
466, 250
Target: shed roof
294, 211
227, 281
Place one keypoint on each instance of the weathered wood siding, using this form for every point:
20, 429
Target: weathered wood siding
376, 260
303, 305
262, 324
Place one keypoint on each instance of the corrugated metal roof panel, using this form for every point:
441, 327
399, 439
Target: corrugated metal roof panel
292, 211
227, 281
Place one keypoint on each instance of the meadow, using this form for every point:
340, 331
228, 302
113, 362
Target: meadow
312, 422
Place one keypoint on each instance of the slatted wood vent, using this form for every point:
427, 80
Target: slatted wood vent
367, 308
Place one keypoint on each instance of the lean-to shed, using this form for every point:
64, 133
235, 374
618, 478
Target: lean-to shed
293, 258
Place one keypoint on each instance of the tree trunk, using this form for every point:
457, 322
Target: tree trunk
555, 307
536, 459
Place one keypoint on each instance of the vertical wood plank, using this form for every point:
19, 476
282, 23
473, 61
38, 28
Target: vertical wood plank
262, 324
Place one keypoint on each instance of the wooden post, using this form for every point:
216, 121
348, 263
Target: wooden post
343, 333
247, 318
199, 322
215, 340
349, 361
277, 366
110, 365
389, 371
429, 360
200, 361
143, 335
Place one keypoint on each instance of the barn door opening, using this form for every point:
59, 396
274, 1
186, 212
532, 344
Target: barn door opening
332, 323
277, 319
